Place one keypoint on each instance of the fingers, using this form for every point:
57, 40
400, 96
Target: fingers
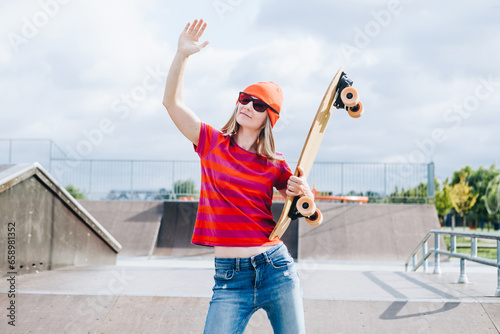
297, 185
192, 26
197, 28
294, 188
202, 45
301, 171
201, 30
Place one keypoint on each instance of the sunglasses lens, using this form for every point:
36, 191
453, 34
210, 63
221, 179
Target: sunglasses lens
245, 99
259, 105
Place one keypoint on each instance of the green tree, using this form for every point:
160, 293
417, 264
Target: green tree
75, 192
492, 199
478, 181
415, 195
443, 200
185, 187
461, 195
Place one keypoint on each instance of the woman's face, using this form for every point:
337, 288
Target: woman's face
247, 117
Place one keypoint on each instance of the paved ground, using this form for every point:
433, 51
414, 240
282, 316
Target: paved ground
171, 295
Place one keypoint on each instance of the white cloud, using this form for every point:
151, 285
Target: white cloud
91, 55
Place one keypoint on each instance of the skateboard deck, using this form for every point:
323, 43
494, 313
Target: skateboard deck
340, 95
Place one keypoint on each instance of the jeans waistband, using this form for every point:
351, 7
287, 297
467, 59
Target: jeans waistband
237, 263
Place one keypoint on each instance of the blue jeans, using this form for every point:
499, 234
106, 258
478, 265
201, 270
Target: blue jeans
242, 286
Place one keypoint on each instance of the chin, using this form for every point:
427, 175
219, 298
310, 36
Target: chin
243, 120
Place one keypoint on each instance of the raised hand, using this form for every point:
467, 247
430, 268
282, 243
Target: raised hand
190, 37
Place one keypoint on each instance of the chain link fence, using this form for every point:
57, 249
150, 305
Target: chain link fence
168, 180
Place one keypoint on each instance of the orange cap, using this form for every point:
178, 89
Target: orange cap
270, 93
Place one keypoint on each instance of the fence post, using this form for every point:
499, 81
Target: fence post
132, 179
173, 177
385, 180
10, 151
430, 180
463, 277
90, 176
424, 254
342, 178
453, 243
437, 268
473, 246
497, 292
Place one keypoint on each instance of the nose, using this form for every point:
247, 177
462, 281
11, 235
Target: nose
248, 106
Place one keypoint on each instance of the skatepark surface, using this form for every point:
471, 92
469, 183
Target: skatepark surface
73, 276
172, 295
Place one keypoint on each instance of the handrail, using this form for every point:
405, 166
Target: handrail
426, 253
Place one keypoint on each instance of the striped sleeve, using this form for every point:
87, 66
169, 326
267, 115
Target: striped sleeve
207, 141
282, 180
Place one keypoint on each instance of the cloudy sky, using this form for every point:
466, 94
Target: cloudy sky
90, 75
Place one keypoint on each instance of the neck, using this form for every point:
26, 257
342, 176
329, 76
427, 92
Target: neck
247, 139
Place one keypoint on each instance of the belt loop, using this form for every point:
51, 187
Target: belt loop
237, 264
267, 258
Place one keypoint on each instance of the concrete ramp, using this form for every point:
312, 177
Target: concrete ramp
176, 231
134, 224
372, 232
48, 227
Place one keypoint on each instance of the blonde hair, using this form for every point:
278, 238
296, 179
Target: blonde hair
265, 141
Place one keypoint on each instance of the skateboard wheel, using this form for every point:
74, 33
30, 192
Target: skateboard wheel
350, 96
306, 206
316, 219
356, 111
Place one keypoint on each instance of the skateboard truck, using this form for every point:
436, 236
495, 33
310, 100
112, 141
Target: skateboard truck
344, 82
305, 204
347, 97
294, 212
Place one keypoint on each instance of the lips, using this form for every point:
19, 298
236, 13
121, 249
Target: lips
245, 114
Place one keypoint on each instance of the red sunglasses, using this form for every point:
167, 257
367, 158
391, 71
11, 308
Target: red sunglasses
258, 104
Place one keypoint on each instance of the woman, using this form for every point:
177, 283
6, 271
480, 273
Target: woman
239, 170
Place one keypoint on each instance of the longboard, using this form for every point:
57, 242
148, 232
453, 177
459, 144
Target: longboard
340, 95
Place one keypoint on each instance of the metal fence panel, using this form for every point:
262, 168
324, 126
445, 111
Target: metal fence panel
166, 179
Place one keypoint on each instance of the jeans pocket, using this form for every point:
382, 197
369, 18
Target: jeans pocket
224, 274
282, 261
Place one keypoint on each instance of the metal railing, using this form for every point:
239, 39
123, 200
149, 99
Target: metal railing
426, 253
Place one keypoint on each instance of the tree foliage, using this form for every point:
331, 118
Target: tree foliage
185, 187
443, 199
492, 198
75, 192
476, 194
461, 195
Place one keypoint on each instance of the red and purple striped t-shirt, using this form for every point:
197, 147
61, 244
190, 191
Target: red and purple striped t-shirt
236, 193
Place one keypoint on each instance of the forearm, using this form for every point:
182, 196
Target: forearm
175, 81
184, 118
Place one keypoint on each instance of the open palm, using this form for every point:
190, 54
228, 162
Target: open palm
190, 37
